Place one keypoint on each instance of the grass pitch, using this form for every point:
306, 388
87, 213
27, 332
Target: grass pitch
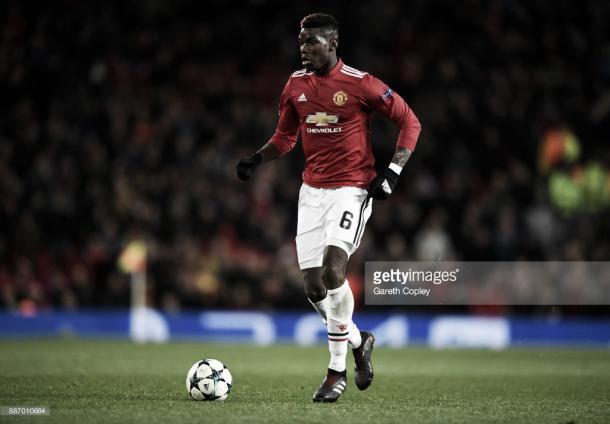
101, 381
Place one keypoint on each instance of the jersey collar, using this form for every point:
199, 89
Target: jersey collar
334, 71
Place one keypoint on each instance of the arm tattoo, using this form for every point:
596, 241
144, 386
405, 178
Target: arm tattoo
401, 156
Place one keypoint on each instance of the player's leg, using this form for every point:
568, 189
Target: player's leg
347, 221
338, 319
349, 212
311, 241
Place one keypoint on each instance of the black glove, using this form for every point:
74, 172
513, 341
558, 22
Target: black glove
383, 186
247, 165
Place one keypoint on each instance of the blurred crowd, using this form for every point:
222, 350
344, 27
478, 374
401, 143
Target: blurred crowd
124, 120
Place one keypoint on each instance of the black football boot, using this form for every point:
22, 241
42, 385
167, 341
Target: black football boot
332, 387
362, 359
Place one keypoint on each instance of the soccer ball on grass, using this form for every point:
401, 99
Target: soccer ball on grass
209, 379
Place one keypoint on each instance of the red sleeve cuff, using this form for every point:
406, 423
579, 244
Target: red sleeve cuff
282, 145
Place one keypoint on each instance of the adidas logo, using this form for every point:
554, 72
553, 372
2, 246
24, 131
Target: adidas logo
340, 388
302, 98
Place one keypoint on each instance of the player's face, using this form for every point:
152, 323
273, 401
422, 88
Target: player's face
316, 49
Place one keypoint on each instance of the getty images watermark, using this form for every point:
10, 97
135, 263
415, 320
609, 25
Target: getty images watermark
405, 278
24, 410
487, 283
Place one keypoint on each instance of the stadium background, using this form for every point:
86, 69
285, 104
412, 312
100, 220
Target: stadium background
124, 120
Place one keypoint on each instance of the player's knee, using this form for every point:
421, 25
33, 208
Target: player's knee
314, 287
315, 293
332, 276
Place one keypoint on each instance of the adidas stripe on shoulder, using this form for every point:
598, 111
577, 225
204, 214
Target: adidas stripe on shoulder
352, 72
300, 73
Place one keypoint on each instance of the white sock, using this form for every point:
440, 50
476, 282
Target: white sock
339, 324
337, 344
354, 338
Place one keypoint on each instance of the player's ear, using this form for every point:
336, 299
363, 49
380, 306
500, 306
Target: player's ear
333, 44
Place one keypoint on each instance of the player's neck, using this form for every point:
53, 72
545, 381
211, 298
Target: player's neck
328, 67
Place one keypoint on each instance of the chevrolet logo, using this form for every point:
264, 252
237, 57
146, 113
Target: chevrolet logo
321, 119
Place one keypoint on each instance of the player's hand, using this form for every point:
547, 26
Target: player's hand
247, 165
383, 186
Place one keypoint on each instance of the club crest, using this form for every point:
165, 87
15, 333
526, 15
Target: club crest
340, 98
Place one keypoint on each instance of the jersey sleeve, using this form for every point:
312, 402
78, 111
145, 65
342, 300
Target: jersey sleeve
285, 136
381, 98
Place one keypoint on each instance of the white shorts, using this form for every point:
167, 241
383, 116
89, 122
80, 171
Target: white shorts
330, 216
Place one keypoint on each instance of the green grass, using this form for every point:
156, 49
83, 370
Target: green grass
101, 381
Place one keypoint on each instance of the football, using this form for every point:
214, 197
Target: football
209, 379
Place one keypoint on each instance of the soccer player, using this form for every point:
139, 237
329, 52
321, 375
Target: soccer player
329, 104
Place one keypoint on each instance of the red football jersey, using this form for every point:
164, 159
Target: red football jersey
332, 113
